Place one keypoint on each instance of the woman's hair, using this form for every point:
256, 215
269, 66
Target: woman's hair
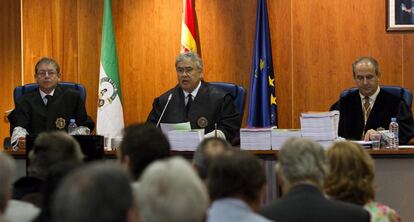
350, 173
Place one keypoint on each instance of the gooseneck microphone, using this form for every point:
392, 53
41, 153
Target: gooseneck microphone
163, 111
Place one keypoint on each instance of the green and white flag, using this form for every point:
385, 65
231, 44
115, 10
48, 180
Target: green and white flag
110, 119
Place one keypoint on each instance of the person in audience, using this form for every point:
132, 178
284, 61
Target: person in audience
98, 192
141, 145
49, 149
351, 179
49, 108
207, 150
301, 168
364, 111
236, 184
7, 170
55, 175
195, 101
170, 190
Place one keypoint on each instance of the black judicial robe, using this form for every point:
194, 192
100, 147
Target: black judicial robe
33, 115
351, 122
211, 104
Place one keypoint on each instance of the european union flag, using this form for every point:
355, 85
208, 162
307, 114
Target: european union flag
262, 102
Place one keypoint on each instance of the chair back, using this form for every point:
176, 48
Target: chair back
238, 93
403, 93
21, 90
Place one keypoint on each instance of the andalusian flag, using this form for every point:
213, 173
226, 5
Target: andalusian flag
110, 119
188, 30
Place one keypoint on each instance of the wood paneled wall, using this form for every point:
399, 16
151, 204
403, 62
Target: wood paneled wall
10, 58
314, 44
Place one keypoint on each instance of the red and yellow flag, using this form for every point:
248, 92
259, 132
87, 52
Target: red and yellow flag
188, 28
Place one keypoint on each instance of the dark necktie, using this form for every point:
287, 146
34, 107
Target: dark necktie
48, 98
189, 102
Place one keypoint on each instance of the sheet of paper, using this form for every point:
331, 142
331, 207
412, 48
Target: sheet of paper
166, 127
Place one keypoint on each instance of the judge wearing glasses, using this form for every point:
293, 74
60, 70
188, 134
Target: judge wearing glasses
196, 101
364, 111
48, 108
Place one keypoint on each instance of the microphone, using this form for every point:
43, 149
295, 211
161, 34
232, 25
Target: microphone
163, 111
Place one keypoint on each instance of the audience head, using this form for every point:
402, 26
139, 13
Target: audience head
207, 150
170, 190
366, 75
239, 175
351, 173
47, 74
99, 192
141, 145
50, 148
301, 160
7, 170
189, 69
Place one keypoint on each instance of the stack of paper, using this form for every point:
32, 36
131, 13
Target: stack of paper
255, 138
321, 126
279, 136
185, 140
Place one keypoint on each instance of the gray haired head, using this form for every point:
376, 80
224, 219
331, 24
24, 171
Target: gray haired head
7, 170
192, 56
170, 190
302, 160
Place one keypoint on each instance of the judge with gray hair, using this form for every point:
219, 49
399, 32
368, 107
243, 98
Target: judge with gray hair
301, 168
196, 101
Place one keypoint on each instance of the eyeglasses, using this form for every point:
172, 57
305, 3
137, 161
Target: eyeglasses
43, 73
367, 77
182, 70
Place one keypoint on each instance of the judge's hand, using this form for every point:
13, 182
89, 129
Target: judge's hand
21, 143
368, 134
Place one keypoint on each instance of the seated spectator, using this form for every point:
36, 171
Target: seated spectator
56, 174
301, 168
207, 150
98, 192
351, 178
141, 145
7, 170
170, 190
236, 185
13, 210
48, 149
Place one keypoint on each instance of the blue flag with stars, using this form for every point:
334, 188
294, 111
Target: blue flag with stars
262, 100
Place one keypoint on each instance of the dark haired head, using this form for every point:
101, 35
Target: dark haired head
142, 144
236, 175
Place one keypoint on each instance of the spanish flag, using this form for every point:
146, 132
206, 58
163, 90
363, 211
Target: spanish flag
188, 28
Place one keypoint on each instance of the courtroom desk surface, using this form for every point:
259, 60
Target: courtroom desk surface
382, 153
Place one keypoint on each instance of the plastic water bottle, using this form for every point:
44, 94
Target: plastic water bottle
393, 136
72, 127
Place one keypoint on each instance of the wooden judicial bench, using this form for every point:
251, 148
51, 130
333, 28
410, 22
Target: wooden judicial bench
394, 176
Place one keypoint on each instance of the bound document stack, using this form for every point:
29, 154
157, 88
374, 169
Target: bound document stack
185, 140
320, 126
255, 138
279, 136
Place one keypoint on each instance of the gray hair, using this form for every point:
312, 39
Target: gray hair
302, 160
7, 171
47, 60
50, 148
369, 59
99, 192
191, 56
168, 189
